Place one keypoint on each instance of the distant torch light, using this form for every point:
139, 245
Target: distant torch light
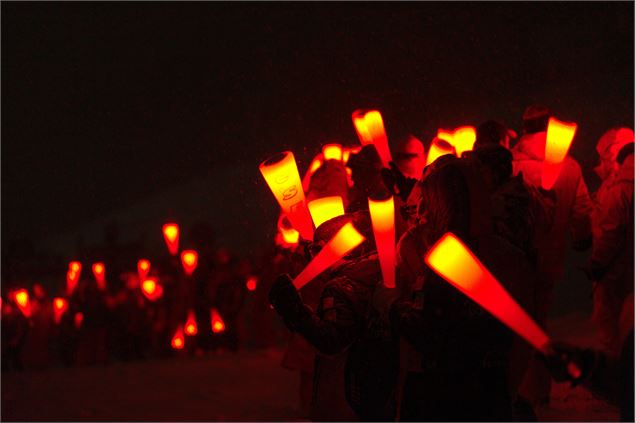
252, 283
455, 263
345, 240
21, 297
382, 214
281, 174
326, 208
178, 340
437, 149
332, 152
370, 130
72, 278
75, 266
171, 237
60, 306
559, 138
216, 321
191, 328
143, 268
99, 272
189, 260
151, 289
78, 319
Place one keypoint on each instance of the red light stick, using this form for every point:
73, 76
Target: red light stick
72, 278
455, 263
75, 266
189, 260
281, 174
326, 208
78, 320
60, 306
178, 340
332, 152
252, 283
171, 237
21, 297
559, 138
99, 272
370, 130
143, 268
216, 321
344, 241
191, 328
317, 162
464, 138
382, 214
437, 149
151, 289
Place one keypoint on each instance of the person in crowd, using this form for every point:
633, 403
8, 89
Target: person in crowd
367, 178
356, 368
464, 353
611, 262
572, 214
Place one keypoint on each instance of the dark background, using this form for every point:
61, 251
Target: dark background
123, 115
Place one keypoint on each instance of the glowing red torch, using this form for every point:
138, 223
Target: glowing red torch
60, 306
382, 214
455, 263
171, 237
78, 319
72, 278
344, 241
559, 138
75, 266
252, 283
216, 321
370, 130
151, 289
281, 174
464, 139
21, 297
99, 272
189, 260
178, 340
191, 328
325, 208
143, 268
290, 236
316, 163
332, 152
437, 149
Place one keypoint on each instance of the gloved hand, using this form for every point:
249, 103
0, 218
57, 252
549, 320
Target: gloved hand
396, 182
287, 302
568, 363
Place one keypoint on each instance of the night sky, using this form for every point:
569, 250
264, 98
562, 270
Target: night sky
108, 108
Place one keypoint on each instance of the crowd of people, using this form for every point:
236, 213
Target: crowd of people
364, 351
424, 351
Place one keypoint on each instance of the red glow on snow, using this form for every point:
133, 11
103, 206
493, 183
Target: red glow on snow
455, 263
559, 138
282, 176
344, 241
370, 130
216, 321
171, 237
189, 260
191, 328
382, 214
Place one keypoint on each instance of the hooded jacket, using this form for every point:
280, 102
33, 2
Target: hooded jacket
572, 205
